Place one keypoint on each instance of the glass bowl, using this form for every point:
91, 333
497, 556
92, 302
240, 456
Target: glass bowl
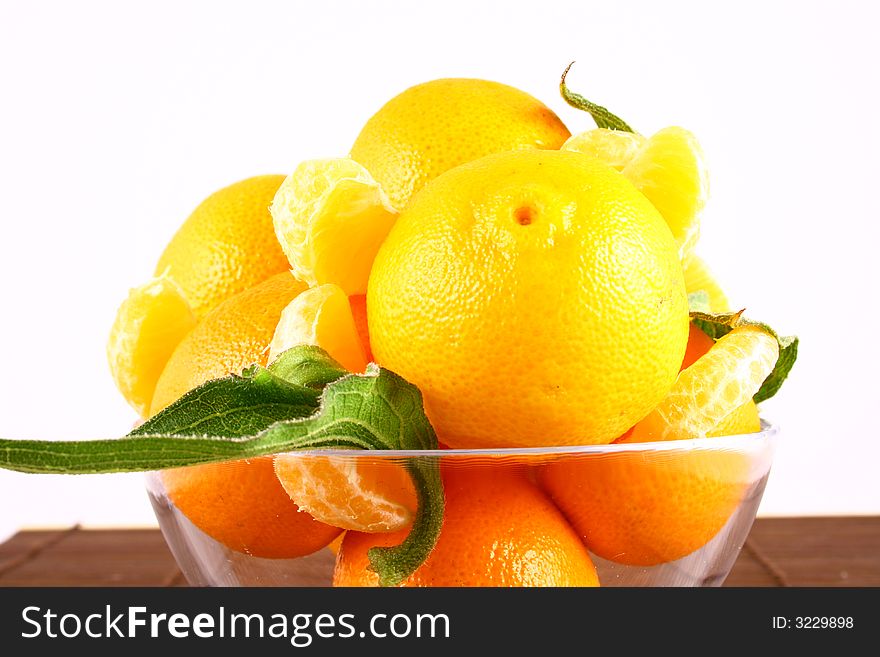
672, 513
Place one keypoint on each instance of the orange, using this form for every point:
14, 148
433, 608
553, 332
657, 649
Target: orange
433, 127
648, 507
231, 337
498, 530
366, 495
534, 297
227, 245
149, 325
242, 505
358, 304
698, 344
644, 508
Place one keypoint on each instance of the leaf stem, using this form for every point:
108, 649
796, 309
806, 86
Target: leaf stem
602, 116
396, 563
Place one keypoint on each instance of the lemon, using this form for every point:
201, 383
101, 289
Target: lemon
330, 217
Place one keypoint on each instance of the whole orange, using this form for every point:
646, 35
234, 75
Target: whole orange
534, 297
435, 126
498, 530
234, 335
241, 504
227, 244
648, 507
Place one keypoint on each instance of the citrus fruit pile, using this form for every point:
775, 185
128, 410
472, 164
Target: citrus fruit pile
540, 289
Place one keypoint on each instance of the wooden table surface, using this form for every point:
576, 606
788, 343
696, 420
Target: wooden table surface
839, 551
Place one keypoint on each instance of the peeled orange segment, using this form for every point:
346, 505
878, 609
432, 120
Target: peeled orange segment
321, 316
697, 276
743, 419
616, 148
351, 493
149, 325
670, 170
330, 217
718, 383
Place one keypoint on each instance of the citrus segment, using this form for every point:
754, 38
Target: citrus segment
148, 327
242, 505
670, 170
227, 245
697, 276
351, 493
743, 419
498, 530
719, 382
433, 127
320, 316
516, 292
330, 217
616, 148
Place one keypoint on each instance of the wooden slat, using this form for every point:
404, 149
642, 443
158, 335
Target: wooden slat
821, 551
132, 557
749, 570
779, 552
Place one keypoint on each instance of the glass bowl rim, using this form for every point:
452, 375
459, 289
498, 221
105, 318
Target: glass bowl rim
740, 442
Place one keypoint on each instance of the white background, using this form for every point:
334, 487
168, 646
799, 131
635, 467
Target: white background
117, 119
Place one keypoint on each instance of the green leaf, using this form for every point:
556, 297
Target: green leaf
305, 400
307, 366
602, 117
718, 325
